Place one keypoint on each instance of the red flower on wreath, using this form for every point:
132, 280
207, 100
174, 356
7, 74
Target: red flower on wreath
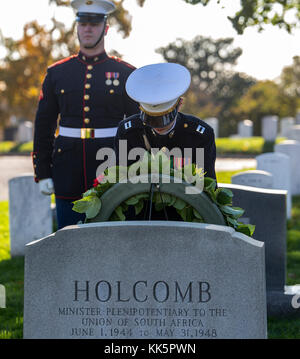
98, 180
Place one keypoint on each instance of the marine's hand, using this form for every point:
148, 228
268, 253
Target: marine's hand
46, 186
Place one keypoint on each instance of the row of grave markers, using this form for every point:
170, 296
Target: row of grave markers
272, 127
289, 127
275, 170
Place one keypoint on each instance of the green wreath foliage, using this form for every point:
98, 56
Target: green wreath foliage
90, 203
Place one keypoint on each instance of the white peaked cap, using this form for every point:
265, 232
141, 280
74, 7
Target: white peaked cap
157, 87
94, 6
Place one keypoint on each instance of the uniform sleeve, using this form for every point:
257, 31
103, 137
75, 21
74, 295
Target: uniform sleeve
210, 156
44, 130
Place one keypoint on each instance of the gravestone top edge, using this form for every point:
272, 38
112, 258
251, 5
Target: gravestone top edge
272, 154
22, 175
252, 189
229, 231
39, 240
258, 172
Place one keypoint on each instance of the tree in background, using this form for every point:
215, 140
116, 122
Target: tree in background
280, 97
282, 13
263, 99
289, 83
23, 68
215, 87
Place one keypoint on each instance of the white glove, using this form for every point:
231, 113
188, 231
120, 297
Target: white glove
46, 186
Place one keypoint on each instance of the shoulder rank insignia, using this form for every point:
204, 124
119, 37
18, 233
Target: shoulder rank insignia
200, 129
127, 125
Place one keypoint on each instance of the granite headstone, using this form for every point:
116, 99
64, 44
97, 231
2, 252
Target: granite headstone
25, 132
254, 178
2, 296
294, 133
30, 216
266, 209
145, 280
245, 128
291, 148
278, 164
269, 128
286, 123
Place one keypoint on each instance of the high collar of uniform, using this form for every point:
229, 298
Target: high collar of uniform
92, 59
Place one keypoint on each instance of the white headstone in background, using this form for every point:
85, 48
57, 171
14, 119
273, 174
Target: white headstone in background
245, 128
25, 132
30, 215
253, 178
2, 296
278, 164
285, 125
269, 128
294, 133
291, 148
214, 123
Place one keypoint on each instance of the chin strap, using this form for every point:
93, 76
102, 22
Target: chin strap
100, 38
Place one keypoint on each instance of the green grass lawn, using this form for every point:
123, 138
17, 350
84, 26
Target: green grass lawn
225, 146
249, 146
7, 147
12, 276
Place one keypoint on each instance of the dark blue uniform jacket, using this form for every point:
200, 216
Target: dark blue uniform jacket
82, 92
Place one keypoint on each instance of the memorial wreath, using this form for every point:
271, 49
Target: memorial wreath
189, 175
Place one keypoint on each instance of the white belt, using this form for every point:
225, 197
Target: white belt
86, 133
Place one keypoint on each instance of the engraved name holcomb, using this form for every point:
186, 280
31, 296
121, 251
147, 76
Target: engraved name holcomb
142, 291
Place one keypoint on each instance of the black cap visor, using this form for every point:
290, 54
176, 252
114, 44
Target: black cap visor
158, 121
92, 18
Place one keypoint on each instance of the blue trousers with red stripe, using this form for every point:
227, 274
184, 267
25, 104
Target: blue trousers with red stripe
65, 215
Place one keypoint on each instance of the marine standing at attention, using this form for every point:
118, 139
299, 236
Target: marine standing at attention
87, 92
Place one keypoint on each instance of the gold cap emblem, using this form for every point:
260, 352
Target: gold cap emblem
89, 2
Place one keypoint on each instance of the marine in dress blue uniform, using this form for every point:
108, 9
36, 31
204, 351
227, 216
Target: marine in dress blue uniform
159, 124
87, 94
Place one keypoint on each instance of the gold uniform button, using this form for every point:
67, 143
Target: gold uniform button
96, 58
62, 91
86, 109
87, 120
185, 125
89, 76
83, 58
86, 97
111, 91
59, 150
90, 67
87, 86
